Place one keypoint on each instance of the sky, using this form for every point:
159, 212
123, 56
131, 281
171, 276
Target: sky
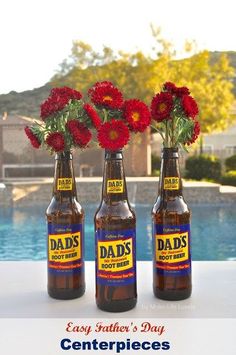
36, 35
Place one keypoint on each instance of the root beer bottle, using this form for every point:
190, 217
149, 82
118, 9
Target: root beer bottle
65, 219
115, 228
171, 233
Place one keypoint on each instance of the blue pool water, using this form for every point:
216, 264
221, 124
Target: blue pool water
23, 233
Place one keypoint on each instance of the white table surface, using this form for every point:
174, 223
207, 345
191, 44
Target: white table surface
23, 294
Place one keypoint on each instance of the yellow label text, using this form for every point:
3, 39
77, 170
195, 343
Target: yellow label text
64, 247
171, 183
115, 186
115, 255
64, 184
172, 248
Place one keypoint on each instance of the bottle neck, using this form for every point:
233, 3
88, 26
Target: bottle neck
170, 183
114, 184
64, 187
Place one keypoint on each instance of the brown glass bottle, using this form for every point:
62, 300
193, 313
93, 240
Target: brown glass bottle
115, 227
65, 218
171, 233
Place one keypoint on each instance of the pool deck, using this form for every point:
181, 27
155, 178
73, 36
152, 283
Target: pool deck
23, 294
141, 190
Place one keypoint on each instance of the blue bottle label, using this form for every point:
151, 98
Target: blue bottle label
65, 248
115, 257
172, 253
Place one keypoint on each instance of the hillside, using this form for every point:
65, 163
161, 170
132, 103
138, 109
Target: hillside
27, 102
24, 103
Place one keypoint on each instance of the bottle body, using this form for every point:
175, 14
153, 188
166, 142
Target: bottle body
65, 221
115, 241
171, 234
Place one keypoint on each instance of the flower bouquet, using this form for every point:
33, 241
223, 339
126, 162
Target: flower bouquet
174, 112
68, 120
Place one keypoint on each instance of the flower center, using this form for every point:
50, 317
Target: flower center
135, 116
113, 135
107, 98
162, 107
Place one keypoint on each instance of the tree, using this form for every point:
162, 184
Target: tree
211, 85
140, 75
84, 67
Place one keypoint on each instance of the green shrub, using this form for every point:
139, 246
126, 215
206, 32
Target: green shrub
203, 167
230, 163
229, 178
155, 172
156, 163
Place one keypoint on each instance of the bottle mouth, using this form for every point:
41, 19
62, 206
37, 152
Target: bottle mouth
113, 154
65, 155
172, 149
170, 153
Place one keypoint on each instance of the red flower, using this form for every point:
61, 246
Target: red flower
173, 89
56, 141
137, 114
161, 106
65, 91
52, 105
92, 114
72, 125
105, 94
32, 137
80, 133
58, 99
170, 87
182, 91
189, 106
113, 135
195, 133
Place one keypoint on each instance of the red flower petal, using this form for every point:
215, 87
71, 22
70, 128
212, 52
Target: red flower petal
96, 120
65, 91
58, 99
181, 91
113, 135
80, 133
189, 106
137, 115
56, 141
173, 89
195, 134
161, 106
32, 137
105, 94
170, 87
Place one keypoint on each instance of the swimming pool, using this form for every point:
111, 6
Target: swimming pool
23, 233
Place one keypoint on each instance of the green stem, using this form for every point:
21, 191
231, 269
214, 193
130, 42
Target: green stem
39, 124
105, 115
179, 131
173, 131
159, 131
167, 134
184, 147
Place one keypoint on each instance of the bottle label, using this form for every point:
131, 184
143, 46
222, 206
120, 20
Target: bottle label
65, 248
172, 249
64, 184
115, 186
171, 183
115, 257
